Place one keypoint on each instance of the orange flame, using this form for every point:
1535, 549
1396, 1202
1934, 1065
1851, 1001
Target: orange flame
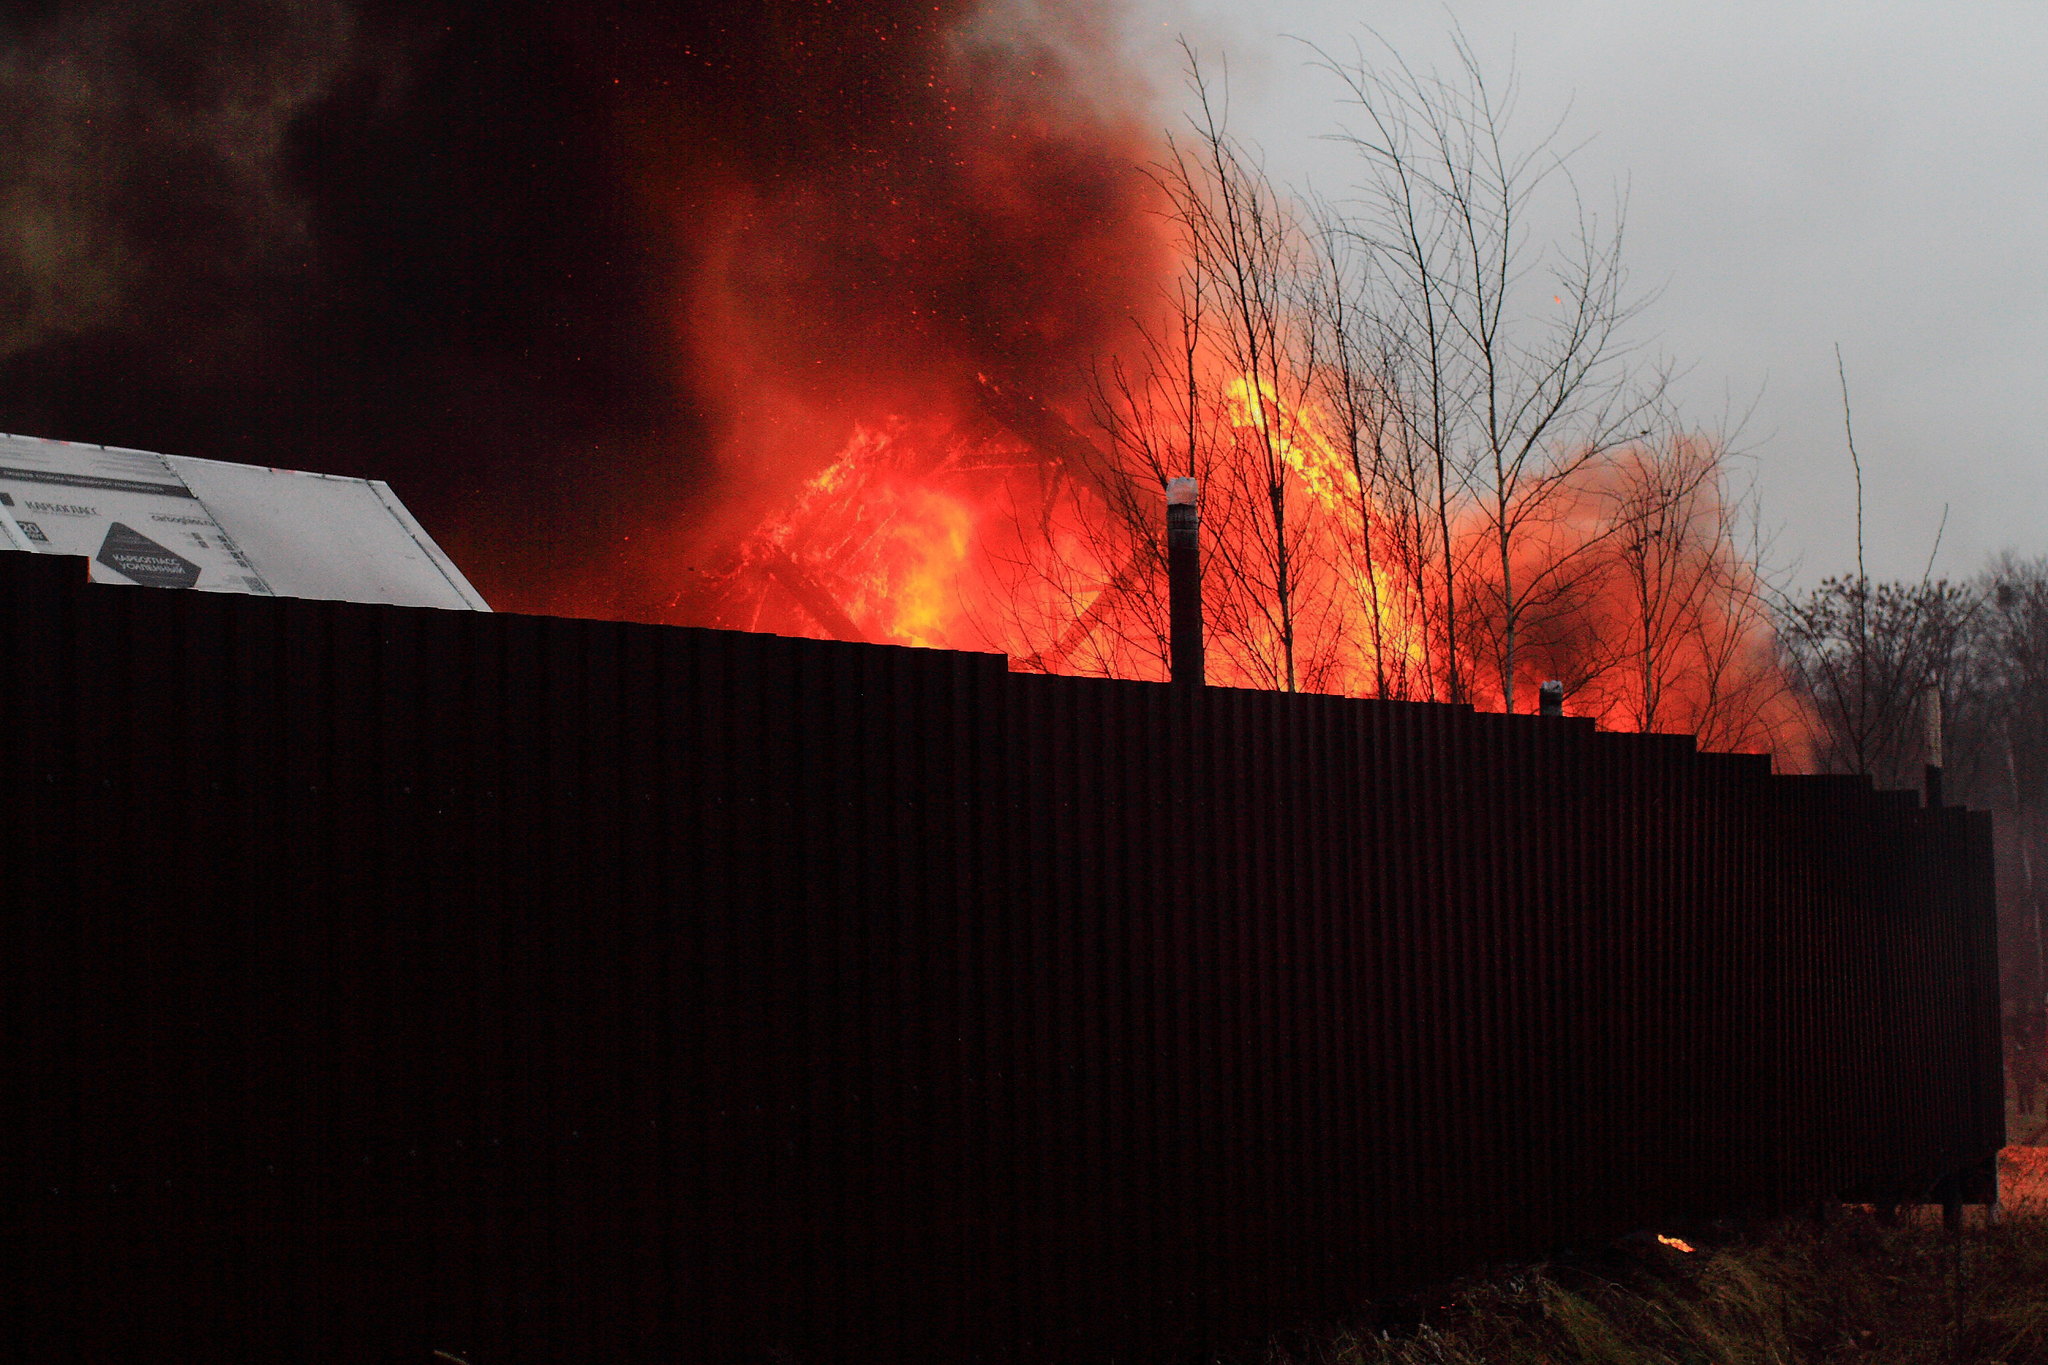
966, 536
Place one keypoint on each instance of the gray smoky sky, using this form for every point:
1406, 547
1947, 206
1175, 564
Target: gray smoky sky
1798, 174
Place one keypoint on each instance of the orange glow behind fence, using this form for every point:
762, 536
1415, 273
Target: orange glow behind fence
966, 536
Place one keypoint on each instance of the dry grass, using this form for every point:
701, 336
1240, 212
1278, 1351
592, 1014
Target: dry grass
1793, 1293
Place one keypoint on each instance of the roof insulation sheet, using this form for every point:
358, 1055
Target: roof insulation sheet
172, 521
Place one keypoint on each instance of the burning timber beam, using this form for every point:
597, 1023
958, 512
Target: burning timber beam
1078, 631
1046, 432
813, 598
1050, 434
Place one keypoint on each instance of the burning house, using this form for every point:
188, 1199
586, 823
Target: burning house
385, 976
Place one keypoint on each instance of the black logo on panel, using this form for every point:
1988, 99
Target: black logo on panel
142, 559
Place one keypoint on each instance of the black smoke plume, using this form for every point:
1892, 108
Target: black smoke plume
544, 267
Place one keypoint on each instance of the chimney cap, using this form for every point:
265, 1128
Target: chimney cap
1180, 492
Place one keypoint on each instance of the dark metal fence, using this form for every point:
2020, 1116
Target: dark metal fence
380, 981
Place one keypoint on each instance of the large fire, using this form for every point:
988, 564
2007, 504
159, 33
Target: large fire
972, 537
927, 325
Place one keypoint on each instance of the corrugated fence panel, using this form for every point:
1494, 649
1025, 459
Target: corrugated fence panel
381, 981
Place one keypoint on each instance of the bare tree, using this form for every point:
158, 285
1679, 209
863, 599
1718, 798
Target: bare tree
1690, 637
1222, 387
1511, 401
1862, 654
1393, 540
1244, 251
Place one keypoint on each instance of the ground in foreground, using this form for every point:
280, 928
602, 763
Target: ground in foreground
1795, 1292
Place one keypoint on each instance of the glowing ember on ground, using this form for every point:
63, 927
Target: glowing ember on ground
2023, 1179
1676, 1243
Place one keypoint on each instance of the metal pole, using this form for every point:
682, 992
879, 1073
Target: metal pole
1184, 580
1930, 717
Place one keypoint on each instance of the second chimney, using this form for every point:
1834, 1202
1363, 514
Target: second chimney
1184, 581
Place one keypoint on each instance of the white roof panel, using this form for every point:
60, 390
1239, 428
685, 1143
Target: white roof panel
176, 521
319, 535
